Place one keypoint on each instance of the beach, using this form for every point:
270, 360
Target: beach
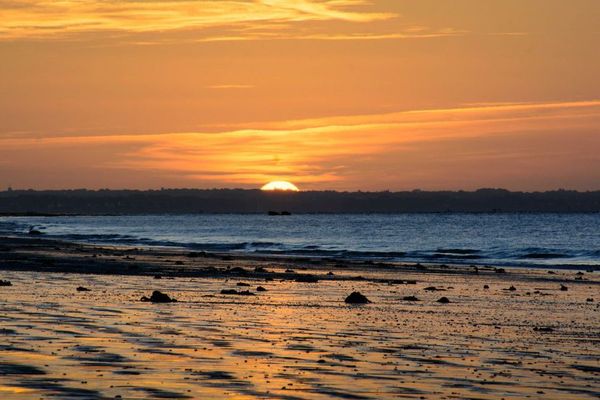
297, 339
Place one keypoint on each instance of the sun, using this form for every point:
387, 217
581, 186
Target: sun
280, 185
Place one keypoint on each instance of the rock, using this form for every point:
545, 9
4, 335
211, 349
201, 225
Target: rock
237, 270
236, 293
356, 298
499, 270
5, 283
261, 289
35, 232
330, 273
486, 286
589, 300
307, 279
563, 288
512, 288
552, 272
82, 289
410, 298
433, 289
443, 300
158, 297
290, 271
157, 277
261, 270
196, 254
543, 329
242, 284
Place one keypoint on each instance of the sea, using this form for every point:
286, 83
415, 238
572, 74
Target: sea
520, 240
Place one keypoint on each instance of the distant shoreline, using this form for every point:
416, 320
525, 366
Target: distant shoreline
242, 201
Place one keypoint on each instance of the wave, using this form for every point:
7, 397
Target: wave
359, 240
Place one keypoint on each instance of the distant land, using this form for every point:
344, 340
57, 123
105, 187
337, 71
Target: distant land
190, 201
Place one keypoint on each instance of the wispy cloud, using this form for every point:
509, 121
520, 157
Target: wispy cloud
230, 86
45, 19
342, 150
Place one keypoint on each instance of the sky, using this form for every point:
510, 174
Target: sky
327, 94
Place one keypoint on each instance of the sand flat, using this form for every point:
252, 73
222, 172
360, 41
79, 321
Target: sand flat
300, 340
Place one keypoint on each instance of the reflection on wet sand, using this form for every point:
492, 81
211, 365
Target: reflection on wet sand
299, 340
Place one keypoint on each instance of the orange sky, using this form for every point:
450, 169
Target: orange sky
338, 94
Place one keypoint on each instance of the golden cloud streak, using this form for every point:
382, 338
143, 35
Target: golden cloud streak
318, 150
44, 19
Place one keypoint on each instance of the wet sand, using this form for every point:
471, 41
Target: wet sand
296, 340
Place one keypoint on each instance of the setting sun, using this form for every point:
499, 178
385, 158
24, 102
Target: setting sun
280, 185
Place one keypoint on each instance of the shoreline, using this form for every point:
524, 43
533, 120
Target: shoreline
39, 254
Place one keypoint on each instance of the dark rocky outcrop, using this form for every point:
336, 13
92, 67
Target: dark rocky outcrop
443, 300
433, 289
307, 279
356, 298
158, 297
236, 293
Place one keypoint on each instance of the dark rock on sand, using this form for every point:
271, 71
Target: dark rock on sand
499, 270
433, 289
356, 298
261, 289
158, 297
5, 283
443, 300
236, 293
307, 279
543, 329
512, 289
589, 300
290, 271
410, 298
486, 286
563, 288
197, 254
157, 277
82, 289
238, 270
242, 284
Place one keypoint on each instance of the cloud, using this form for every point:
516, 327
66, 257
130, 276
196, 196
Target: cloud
47, 19
385, 150
230, 86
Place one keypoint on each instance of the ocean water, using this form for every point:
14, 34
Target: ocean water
535, 240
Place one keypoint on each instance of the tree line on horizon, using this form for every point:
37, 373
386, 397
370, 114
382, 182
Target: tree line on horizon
184, 201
